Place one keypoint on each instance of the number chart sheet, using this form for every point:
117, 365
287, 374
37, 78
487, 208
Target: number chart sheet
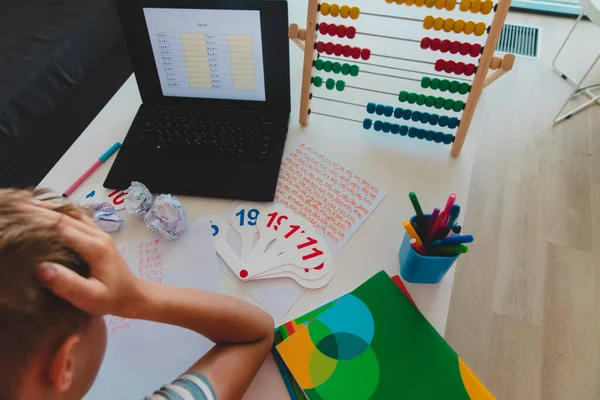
208, 53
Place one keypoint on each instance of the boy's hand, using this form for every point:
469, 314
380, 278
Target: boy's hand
111, 289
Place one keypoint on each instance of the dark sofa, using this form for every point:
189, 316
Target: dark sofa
60, 62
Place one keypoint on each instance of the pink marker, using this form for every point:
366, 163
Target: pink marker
107, 154
445, 215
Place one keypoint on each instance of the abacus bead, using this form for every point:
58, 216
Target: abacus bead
395, 129
317, 81
334, 10
480, 28
356, 53
448, 24
340, 86
347, 51
403, 130
430, 101
345, 69
433, 119
365, 54
439, 4
428, 22
350, 32
338, 50
469, 27
330, 84
403, 96
325, 7
450, 5
475, 6
453, 87
464, 88
475, 50
380, 109
389, 1
459, 25
377, 125
419, 3
329, 48
447, 138
439, 103
430, 136
327, 66
341, 31
444, 85
386, 127
354, 12
455, 47
399, 2
421, 99
398, 113
448, 103
452, 122
439, 65
421, 133
435, 83
460, 68
465, 5
424, 118
389, 111
371, 107
435, 44
449, 67
320, 47
336, 67
465, 48
367, 123
469, 69
438, 23
406, 114
345, 11
412, 98
319, 64
443, 122
323, 28
486, 7
438, 137
409, 2
354, 70
416, 116
425, 82
412, 132
332, 29
458, 105
445, 46
429, 3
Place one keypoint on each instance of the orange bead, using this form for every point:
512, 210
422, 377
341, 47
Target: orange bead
409, 2
389, 1
399, 2
428, 22
486, 7
440, 4
429, 3
475, 6
438, 23
419, 3
345, 11
469, 27
450, 5
459, 25
334, 10
354, 12
480, 28
465, 5
325, 7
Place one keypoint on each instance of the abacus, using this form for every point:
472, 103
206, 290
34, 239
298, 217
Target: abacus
346, 63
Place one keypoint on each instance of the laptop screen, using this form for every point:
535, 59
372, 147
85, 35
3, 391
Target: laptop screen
215, 54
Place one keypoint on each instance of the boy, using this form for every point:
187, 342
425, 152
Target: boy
59, 274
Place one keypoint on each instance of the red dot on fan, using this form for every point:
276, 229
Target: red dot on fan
320, 47
350, 32
475, 50
460, 68
243, 273
465, 48
329, 48
347, 51
469, 69
455, 47
365, 54
425, 43
356, 53
445, 46
323, 28
439, 65
435, 44
449, 67
338, 49
341, 31
332, 29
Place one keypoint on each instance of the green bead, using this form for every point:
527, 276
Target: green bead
340, 85
412, 98
330, 84
354, 70
319, 64
439, 102
448, 103
444, 85
458, 105
429, 101
317, 81
425, 82
454, 85
403, 96
345, 69
327, 66
464, 88
435, 83
421, 99
336, 68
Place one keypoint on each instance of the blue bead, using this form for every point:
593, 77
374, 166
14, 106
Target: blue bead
448, 138
416, 116
380, 109
371, 108
438, 137
406, 114
424, 118
377, 125
433, 119
389, 111
386, 127
403, 130
421, 133
395, 129
398, 112
430, 135
367, 123
452, 122
443, 121
412, 132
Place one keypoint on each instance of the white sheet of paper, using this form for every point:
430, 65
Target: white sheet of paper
142, 356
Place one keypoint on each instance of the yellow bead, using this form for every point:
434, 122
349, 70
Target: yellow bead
399, 2
448, 24
344, 11
334, 10
409, 2
325, 8
438, 23
428, 22
475, 6
450, 5
459, 25
469, 27
439, 4
354, 12
486, 7
480, 28
429, 3
465, 5
389, 1
419, 3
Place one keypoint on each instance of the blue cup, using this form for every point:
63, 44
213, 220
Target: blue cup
416, 268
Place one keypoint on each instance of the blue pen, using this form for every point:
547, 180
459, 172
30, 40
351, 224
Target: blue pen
454, 212
453, 240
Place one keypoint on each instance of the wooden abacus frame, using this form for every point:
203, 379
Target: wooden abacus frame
305, 39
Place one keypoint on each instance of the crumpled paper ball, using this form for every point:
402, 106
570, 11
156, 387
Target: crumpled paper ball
138, 200
106, 218
166, 217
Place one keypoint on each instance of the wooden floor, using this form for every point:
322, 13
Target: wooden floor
525, 310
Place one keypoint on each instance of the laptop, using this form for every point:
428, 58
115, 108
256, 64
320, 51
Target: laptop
215, 85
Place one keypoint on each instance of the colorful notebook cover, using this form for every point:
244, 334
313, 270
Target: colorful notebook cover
373, 344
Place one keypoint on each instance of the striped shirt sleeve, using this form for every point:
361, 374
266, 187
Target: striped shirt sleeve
190, 386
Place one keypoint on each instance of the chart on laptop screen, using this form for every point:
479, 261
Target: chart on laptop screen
208, 53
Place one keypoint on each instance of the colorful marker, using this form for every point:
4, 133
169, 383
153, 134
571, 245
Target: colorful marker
457, 229
431, 223
450, 251
416, 247
454, 213
412, 233
107, 154
415, 202
453, 240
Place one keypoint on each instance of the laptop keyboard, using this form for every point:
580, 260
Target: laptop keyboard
232, 136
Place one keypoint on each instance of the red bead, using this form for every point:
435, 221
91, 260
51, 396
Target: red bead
439, 65
455, 47
469, 69
320, 47
323, 28
425, 43
350, 32
475, 50
356, 53
341, 31
338, 50
347, 51
365, 54
332, 29
460, 68
445, 46
329, 48
449, 67
435, 44
465, 48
